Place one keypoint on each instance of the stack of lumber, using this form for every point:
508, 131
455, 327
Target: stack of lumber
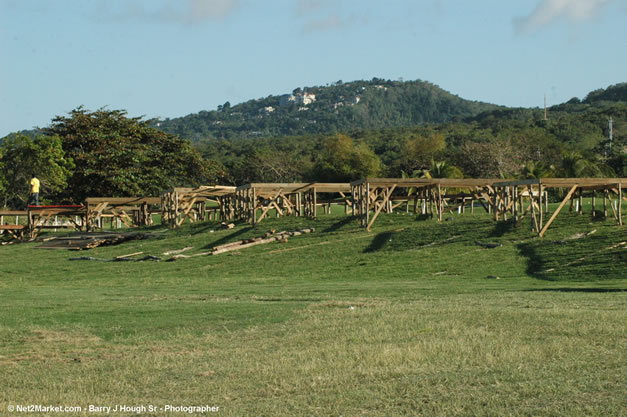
83, 241
271, 236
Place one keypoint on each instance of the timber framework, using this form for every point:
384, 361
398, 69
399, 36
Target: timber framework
253, 202
510, 198
516, 199
364, 199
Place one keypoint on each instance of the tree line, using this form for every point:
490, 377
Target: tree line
106, 153
505, 143
99, 153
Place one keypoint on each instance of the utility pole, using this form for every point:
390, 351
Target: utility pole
545, 115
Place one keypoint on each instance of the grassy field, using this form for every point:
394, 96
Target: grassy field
414, 318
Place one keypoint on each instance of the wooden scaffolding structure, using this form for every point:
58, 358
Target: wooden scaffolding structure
522, 197
253, 202
130, 211
47, 217
10, 223
181, 204
434, 196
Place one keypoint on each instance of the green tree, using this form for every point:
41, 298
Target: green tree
420, 149
536, 169
22, 156
576, 165
116, 155
3, 181
497, 158
441, 169
341, 160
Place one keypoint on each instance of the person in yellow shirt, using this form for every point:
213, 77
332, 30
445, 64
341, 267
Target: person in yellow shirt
34, 191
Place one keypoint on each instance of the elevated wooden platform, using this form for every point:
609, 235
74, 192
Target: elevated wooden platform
510, 198
181, 204
371, 196
503, 198
131, 211
39, 217
287, 199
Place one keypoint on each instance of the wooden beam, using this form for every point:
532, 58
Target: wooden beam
559, 208
386, 198
620, 204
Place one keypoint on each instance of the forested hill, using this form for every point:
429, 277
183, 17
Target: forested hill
617, 92
338, 107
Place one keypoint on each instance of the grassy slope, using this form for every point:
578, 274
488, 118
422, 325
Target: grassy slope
400, 321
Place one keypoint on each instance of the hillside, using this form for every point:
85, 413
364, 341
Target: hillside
616, 92
337, 107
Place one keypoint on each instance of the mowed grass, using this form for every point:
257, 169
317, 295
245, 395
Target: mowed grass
413, 318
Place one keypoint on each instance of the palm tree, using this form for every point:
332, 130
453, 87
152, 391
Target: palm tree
538, 169
441, 169
575, 165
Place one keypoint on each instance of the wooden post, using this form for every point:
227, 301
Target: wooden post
367, 203
540, 221
593, 203
605, 202
353, 210
620, 204
534, 222
515, 202
440, 206
253, 205
580, 202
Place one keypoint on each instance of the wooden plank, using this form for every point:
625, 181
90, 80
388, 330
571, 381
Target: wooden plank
128, 201
559, 208
290, 188
186, 211
12, 226
386, 197
620, 205
13, 213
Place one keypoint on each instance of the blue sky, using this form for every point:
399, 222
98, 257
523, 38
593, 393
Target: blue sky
169, 58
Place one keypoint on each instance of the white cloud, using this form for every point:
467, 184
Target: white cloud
305, 7
331, 22
547, 11
200, 10
177, 12
323, 15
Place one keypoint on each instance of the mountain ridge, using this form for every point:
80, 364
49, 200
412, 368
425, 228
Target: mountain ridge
339, 106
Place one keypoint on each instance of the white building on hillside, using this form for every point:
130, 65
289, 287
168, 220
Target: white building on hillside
305, 98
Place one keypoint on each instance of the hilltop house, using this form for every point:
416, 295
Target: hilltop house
302, 99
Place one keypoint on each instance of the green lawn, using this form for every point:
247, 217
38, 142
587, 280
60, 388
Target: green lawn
413, 318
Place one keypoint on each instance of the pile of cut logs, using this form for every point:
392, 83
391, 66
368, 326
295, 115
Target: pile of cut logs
271, 236
83, 241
